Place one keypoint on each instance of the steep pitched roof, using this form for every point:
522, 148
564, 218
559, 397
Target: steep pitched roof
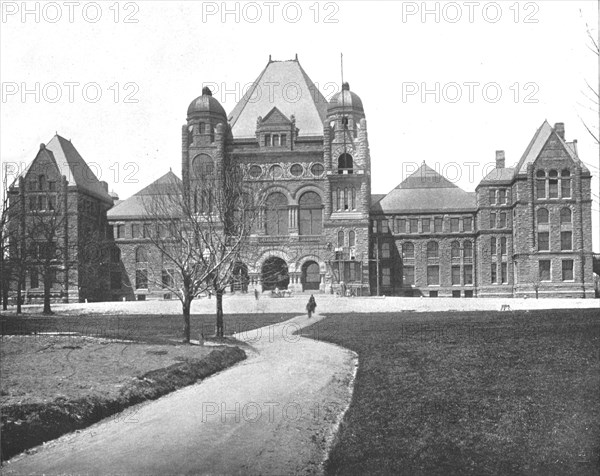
496, 175
77, 171
539, 140
285, 85
136, 206
426, 191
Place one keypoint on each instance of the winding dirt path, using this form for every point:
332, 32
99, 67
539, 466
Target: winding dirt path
273, 414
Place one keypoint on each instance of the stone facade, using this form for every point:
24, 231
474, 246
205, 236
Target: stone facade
525, 231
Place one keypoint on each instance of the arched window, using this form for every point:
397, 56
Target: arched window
141, 256
277, 214
351, 239
353, 203
345, 164
540, 184
468, 250
455, 249
42, 182
565, 215
203, 167
565, 184
340, 239
408, 250
542, 216
310, 214
338, 199
432, 249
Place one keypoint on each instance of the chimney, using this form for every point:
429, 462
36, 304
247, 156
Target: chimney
500, 162
559, 128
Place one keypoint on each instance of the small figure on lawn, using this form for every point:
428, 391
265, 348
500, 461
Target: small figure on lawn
311, 306
256, 294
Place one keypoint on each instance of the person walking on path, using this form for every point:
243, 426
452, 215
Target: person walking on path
311, 306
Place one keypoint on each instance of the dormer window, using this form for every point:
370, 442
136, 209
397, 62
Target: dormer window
553, 184
283, 140
267, 140
275, 140
42, 182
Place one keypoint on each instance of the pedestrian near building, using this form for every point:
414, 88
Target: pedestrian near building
311, 306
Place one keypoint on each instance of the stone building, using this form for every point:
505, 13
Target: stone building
58, 226
524, 231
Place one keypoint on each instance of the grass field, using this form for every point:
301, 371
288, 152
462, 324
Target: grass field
150, 328
470, 393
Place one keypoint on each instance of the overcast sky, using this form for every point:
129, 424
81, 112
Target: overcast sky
117, 78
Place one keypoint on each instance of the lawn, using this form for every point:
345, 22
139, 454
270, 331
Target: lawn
470, 393
56, 383
151, 328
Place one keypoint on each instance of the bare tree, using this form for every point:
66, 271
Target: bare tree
200, 234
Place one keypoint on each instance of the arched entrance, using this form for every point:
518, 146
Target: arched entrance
275, 274
311, 276
240, 279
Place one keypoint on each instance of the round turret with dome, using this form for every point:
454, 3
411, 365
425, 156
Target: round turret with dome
345, 101
206, 106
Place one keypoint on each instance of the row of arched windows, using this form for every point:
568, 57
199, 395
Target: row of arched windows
310, 214
344, 199
543, 216
550, 185
342, 239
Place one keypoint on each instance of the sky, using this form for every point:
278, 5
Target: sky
448, 83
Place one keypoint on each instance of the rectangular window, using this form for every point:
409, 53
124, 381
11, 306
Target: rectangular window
167, 278
135, 230
433, 275
409, 275
503, 273
141, 279
468, 224
147, 230
545, 270
115, 280
426, 225
454, 225
267, 140
493, 247
567, 270
283, 140
566, 240
492, 196
553, 188
385, 250
502, 220
566, 187
374, 226
33, 278
437, 225
51, 203
543, 241
501, 196
455, 275
384, 226
120, 231
494, 275
492, 220
385, 277
414, 225
541, 188
468, 271
401, 225
503, 246
275, 140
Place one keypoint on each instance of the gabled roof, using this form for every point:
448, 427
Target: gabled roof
537, 144
426, 191
137, 206
496, 176
285, 85
275, 116
70, 164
